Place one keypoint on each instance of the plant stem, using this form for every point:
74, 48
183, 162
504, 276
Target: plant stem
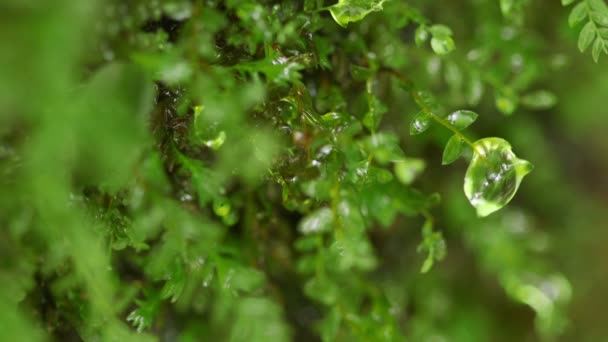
409, 86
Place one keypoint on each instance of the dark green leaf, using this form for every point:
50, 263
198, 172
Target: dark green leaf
453, 150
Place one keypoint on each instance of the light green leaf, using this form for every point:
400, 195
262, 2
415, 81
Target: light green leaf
453, 149
578, 14
440, 30
347, 11
598, 46
494, 175
541, 99
586, 36
600, 18
420, 123
567, 2
506, 102
442, 45
462, 119
598, 5
408, 169
317, 222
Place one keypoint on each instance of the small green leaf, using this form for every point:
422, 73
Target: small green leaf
462, 119
567, 2
433, 244
578, 14
408, 169
453, 149
442, 45
541, 99
506, 103
586, 36
322, 289
598, 46
440, 30
600, 18
421, 35
347, 11
317, 222
598, 5
420, 123
494, 175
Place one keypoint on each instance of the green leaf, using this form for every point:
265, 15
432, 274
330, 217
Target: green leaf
506, 102
408, 169
322, 289
440, 30
420, 123
598, 46
578, 14
433, 244
347, 11
567, 2
421, 35
494, 175
541, 99
442, 45
598, 5
462, 119
600, 18
317, 222
586, 36
453, 149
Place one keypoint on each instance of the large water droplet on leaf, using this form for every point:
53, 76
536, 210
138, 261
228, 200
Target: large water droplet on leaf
494, 175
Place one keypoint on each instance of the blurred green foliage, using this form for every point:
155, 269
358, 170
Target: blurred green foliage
246, 170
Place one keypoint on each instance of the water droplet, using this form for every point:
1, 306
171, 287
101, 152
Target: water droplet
316, 222
462, 119
494, 175
420, 123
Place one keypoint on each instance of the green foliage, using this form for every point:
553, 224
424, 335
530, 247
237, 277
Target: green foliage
242, 170
594, 33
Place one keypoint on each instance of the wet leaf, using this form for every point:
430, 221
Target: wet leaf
420, 123
494, 175
453, 150
347, 11
317, 222
462, 119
